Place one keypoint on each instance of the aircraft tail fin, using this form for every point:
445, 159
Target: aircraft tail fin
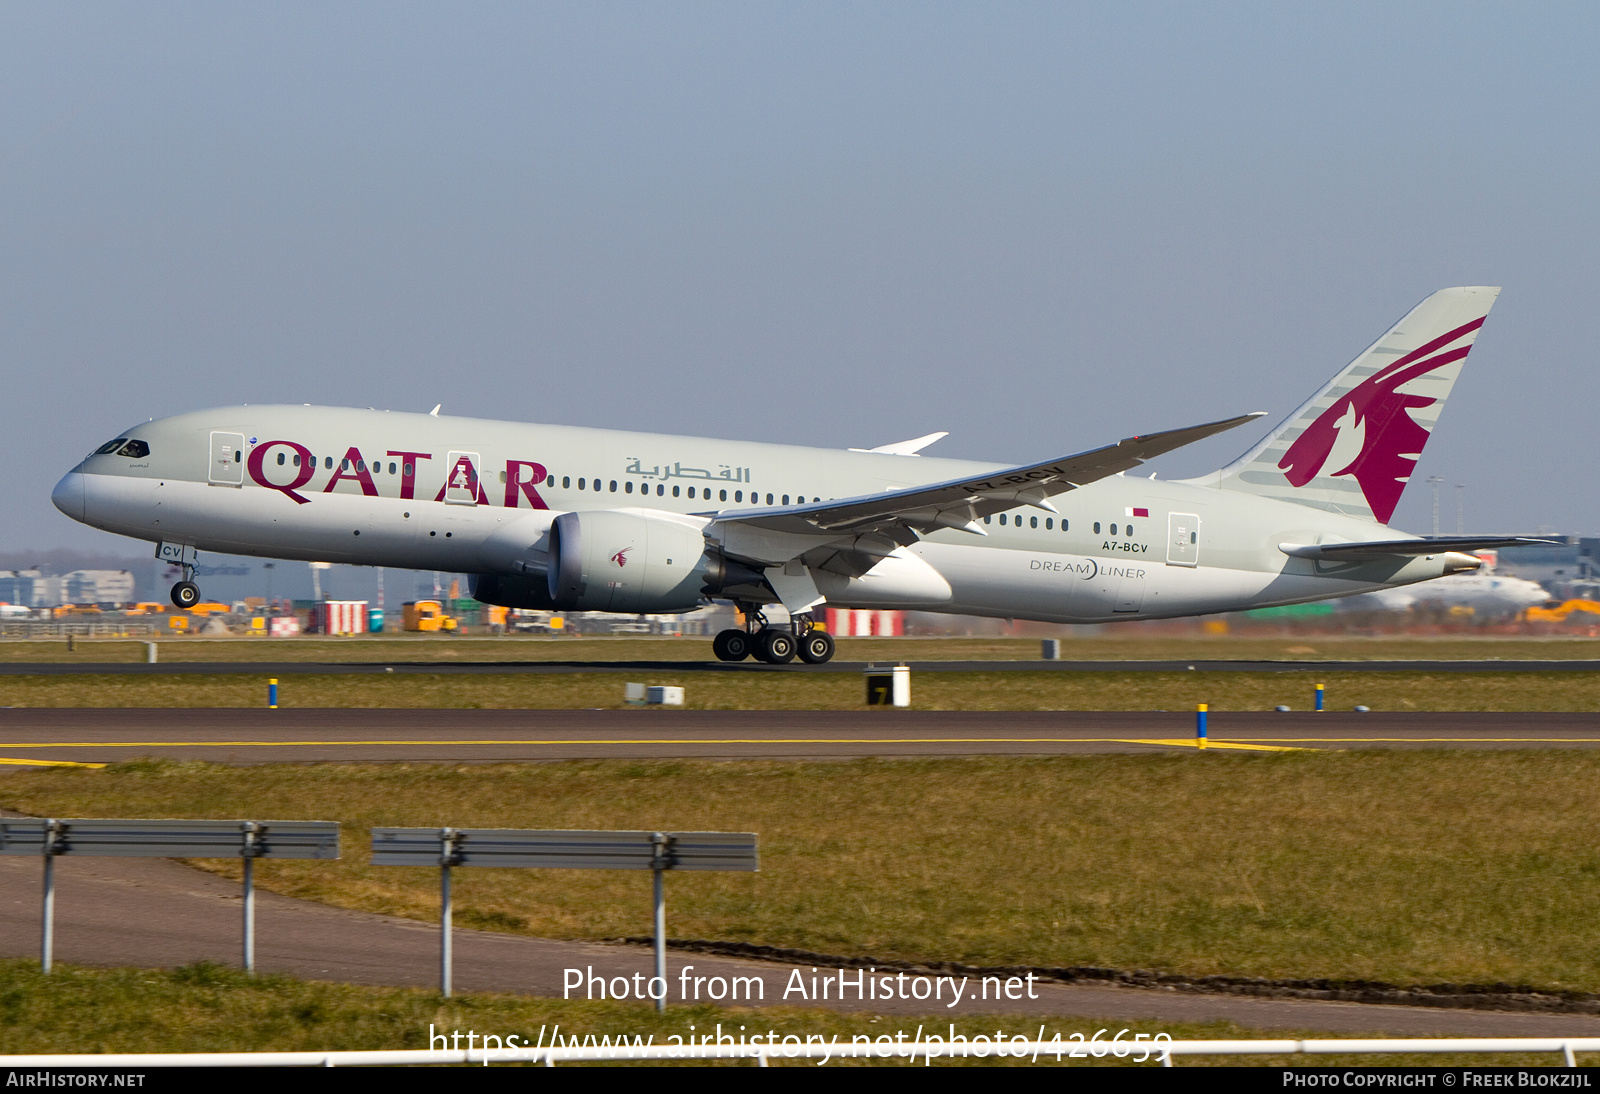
1352, 446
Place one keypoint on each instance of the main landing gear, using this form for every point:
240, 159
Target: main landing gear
186, 594
775, 645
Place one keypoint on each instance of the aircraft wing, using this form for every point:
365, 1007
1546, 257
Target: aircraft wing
961, 503
1425, 545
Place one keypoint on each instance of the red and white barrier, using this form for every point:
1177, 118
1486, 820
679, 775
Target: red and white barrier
344, 617
865, 622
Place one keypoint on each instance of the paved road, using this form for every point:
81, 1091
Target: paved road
97, 735
299, 668
151, 912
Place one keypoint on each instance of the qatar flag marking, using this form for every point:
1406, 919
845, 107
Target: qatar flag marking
1132, 512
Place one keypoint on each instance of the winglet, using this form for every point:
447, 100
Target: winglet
912, 447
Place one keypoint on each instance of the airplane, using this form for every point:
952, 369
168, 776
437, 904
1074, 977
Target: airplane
1486, 592
579, 519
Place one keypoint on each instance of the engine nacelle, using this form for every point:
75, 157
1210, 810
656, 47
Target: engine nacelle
520, 591
618, 561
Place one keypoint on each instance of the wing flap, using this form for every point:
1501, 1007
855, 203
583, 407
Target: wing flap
962, 503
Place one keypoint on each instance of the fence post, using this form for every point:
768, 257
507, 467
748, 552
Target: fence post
47, 940
249, 851
1319, 697
447, 857
659, 843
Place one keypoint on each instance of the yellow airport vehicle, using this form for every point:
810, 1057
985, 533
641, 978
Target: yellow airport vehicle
1559, 613
428, 616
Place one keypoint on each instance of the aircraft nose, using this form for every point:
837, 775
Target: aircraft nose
69, 495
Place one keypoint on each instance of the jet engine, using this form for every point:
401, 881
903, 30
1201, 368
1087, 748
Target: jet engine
513, 592
617, 561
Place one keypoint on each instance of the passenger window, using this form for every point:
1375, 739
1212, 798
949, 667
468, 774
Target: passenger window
769, 499
722, 495
1113, 529
738, 495
691, 491
1002, 520
597, 486
1033, 522
581, 482
1097, 528
675, 491
411, 469
613, 486
327, 463
110, 447
1063, 524
281, 459
986, 520
629, 488
1048, 524
137, 450
660, 489
361, 465
566, 482
550, 482
391, 469
1128, 530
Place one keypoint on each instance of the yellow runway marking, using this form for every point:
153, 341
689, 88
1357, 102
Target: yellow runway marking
46, 763
1212, 742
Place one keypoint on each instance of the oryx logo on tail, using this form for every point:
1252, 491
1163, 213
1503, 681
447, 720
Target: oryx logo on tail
1370, 433
621, 557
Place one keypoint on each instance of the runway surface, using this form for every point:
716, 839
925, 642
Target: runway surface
362, 668
99, 735
153, 912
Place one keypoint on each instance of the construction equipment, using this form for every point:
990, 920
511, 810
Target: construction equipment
1559, 613
429, 616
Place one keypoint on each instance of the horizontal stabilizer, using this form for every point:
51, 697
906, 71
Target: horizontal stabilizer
1429, 545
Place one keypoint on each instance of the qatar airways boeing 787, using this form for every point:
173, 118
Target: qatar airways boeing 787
578, 519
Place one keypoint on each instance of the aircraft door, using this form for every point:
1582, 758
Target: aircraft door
462, 485
227, 459
1183, 539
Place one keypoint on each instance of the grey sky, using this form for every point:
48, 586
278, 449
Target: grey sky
1041, 227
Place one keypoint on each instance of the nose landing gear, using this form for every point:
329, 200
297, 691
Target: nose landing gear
186, 594
774, 645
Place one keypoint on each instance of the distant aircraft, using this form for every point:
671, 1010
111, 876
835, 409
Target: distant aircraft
1486, 593
577, 519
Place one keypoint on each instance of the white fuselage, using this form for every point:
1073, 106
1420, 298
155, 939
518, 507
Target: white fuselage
343, 493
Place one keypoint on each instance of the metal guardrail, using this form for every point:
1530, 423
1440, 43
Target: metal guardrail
1055, 1051
63, 628
563, 850
249, 840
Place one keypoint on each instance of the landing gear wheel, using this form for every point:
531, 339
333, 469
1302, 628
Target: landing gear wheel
733, 645
816, 648
185, 594
776, 647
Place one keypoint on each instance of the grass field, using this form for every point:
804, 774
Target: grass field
1405, 867
1224, 691
1399, 691
209, 1009
1114, 644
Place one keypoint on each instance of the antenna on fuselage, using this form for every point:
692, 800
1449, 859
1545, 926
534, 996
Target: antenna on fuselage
435, 410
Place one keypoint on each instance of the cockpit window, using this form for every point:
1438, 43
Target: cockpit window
110, 446
137, 450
